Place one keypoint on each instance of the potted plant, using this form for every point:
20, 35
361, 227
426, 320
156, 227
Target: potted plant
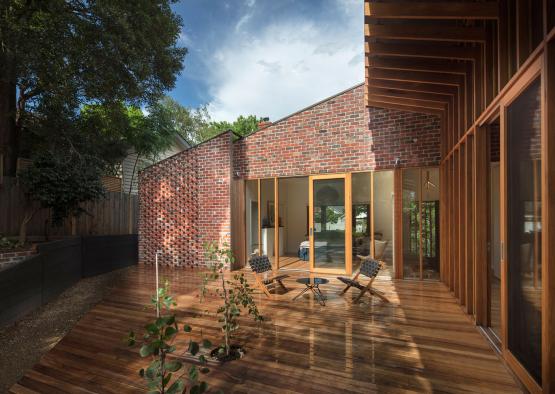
236, 296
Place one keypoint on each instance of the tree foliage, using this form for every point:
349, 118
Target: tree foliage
57, 56
196, 125
62, 180
243, 126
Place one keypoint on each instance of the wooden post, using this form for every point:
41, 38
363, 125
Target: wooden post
398, 222
469, 241
548, 216
480, 213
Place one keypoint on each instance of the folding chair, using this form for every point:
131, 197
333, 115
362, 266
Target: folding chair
369, 268
261, 265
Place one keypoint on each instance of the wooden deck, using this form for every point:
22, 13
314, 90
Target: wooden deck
421, 342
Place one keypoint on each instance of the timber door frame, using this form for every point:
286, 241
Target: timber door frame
348, 223
399, 222
531, 75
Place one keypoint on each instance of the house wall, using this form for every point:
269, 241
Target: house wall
185, 199
184, 202
339, 135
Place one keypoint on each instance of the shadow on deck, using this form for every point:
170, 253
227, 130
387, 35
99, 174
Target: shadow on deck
420, 342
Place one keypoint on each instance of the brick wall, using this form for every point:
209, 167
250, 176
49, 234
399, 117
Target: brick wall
411, 137
8, 259
339, 135
184, 202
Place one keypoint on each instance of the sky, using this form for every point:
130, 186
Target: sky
268, 58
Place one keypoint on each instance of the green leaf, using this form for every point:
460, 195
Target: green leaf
187, 328
166, 380
206, 343
204, 370
202, 359
152, 329
193, 373
176, 388
146, 350
203, 387
173, 366
170, 332
150, 372
193, 347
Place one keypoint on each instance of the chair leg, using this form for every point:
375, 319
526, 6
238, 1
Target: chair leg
379, 294
345, 289
263, 287
282, 285
361, 294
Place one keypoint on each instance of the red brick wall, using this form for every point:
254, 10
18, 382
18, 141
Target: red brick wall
184, 202
339, 135
411, 137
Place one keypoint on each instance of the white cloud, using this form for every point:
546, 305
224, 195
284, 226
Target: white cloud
286, 65
243, 21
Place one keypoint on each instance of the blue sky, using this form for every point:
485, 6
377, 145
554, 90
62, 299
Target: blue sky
268, 57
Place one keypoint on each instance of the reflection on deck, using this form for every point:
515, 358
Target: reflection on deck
420, 342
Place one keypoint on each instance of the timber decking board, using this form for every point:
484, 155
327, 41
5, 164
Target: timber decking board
420, 342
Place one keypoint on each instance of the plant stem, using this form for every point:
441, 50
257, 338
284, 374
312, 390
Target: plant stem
226, 316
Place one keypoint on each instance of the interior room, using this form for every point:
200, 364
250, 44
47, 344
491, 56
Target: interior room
294, 248
384, 222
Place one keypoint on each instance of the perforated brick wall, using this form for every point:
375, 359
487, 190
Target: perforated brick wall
184, 203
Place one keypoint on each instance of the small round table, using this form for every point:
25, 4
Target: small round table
313, 284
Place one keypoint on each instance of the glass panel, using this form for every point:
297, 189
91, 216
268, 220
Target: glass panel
293, 219
267, 213
329, 223
524, 229
360, 187
494, 272
383, 219
251, 204
430, 223
411, 223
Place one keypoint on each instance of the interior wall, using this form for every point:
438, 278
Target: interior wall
293, 201
251, 210
383, 204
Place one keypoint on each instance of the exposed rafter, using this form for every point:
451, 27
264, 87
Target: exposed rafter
432, 10
424, 32
423, 50
401, 107
416, 64
416, 76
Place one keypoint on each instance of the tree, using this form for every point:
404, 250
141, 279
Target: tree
71, 152
60, 180
243, 126
67, 53
187, 122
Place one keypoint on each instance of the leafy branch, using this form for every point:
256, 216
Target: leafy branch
157, 343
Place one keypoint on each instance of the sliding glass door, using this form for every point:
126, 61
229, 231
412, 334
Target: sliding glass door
421, 223
524, 229
330, 232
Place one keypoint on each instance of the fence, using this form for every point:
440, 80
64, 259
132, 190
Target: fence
58, 265
117, 213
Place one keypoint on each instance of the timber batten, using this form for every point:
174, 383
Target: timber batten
490, 54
